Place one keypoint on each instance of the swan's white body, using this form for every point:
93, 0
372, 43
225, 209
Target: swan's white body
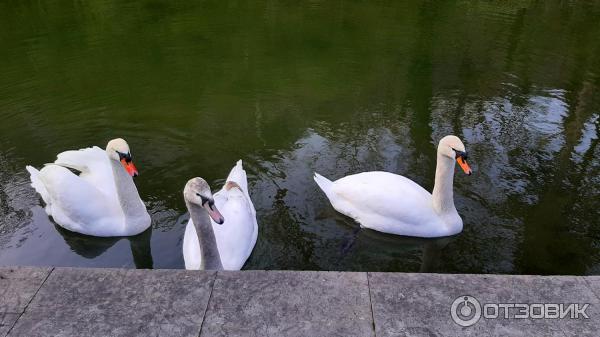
391, 203
237, 236
90, 203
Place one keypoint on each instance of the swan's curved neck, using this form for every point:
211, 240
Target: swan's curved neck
209, 252
443, 198
129, 199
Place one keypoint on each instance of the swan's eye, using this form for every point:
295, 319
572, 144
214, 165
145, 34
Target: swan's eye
126, 156
204, 199
461, 154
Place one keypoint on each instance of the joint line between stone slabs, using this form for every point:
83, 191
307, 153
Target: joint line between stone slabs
371, 304
29, 302
590, 287
212, 287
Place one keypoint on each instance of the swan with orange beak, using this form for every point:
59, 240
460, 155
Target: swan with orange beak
394, 204
102, 199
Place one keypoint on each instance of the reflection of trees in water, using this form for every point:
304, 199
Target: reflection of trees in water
559, 231
529, 160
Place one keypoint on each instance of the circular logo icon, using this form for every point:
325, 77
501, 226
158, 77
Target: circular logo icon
465, 310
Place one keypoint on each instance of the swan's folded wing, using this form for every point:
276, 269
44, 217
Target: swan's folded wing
238, 176
82, 160
75, 202
237, 236
375, 196
94, 165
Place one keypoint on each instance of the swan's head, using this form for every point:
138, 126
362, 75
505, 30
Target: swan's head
198, 192
118, 149
453, 147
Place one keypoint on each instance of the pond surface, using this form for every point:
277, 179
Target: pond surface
337, 87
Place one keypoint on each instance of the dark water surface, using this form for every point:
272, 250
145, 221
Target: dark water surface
337, 87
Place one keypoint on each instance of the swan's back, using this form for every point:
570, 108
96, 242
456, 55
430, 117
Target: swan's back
94, 165
237, 236
74, 202
385, 202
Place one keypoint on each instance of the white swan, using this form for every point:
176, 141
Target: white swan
102, 200
208, 244
391, 203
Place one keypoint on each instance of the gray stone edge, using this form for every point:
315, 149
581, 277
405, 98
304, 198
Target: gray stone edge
20, 314
585, 280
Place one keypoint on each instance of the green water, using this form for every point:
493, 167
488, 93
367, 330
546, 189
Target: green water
337, 87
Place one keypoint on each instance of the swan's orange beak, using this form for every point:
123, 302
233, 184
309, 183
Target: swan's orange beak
129, 167
464, 165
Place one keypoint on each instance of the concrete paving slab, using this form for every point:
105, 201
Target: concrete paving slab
286, 303
594, 283
118, 302
107, 329
18, 285
420, 304
561, 289
6, 322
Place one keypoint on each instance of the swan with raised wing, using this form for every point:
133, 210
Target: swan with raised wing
391, 203
224, 239
101, 200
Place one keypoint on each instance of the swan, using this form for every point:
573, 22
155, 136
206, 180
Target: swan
208, 245
102, 200
391, 203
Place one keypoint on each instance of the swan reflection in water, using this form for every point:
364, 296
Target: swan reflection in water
432, 248
91, 247
366, 241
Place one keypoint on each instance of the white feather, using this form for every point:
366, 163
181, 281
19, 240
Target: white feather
86, 203
237, 236
391, 203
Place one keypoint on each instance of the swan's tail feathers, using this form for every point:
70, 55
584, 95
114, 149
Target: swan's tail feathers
37, 183
237, 176
325, 184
